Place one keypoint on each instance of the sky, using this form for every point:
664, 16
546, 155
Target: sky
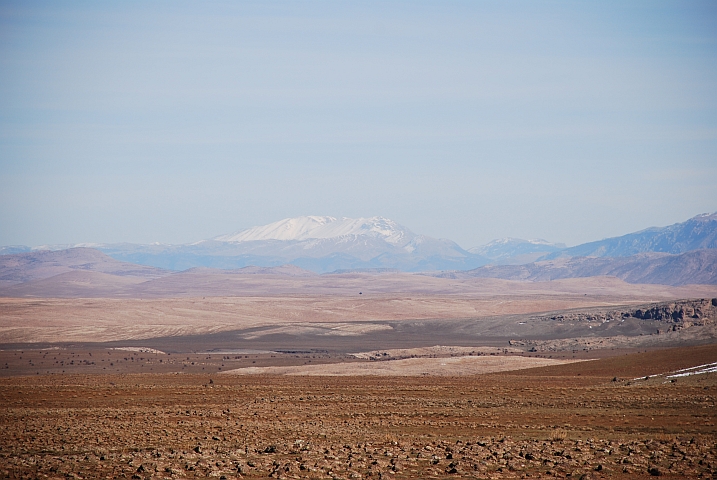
179, 121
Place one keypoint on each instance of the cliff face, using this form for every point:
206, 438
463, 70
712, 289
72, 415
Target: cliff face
689, 310
672, 315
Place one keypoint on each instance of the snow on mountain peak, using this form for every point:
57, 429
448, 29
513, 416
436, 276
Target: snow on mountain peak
705, 217
519, 241
313, 227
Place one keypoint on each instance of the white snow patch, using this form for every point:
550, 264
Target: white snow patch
315, 227
140, 350
706, 368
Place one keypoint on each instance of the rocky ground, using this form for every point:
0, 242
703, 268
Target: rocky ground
606, 418
663, 324
670, 316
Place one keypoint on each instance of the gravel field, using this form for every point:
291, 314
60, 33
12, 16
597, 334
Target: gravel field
598, 419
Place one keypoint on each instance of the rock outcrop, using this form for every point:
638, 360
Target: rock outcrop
678, 314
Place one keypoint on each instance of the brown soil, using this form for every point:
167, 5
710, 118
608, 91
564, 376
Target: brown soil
566, 420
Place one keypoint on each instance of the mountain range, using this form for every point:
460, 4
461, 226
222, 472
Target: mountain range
319, 244
697, 233
515, 251
676, 255
694, 267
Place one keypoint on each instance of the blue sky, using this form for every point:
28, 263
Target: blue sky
175, 122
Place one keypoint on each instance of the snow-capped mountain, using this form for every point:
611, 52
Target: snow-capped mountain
516, 251
313, 227
317, 243
325, 244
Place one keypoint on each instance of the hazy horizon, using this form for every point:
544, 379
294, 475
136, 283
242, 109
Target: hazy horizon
530, 239
175, 122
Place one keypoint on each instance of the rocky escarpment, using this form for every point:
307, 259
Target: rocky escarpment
653, 325
678, 314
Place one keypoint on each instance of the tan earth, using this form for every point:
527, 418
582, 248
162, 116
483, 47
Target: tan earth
335, 298
451, 366
103, 320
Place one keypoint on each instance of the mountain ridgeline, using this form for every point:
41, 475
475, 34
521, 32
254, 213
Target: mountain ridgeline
319, 244
680, 254
695, 267
514, 251
697, 233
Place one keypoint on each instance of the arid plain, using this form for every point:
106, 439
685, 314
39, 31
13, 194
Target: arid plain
359, 376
